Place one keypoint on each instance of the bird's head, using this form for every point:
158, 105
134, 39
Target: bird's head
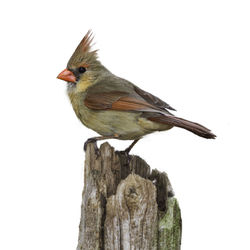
83, 68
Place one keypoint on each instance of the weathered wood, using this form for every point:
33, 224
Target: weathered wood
126, 206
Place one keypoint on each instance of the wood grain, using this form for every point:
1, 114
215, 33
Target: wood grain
126, 206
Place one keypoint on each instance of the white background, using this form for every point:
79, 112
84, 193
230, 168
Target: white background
193, 54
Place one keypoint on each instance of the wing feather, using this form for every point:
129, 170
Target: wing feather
102, 100
153, 99
104, 96
116, 100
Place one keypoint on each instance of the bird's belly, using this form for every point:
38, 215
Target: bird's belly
123, 125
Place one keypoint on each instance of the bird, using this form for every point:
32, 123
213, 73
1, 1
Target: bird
114, 107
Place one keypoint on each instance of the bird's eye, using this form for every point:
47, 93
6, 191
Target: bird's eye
81, 69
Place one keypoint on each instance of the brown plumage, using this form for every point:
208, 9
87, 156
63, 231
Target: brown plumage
182, 123
121, 101
83, 52
114, 107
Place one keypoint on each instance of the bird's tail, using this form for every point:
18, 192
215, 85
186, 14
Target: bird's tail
182, 123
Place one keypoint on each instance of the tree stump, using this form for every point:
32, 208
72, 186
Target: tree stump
125, 205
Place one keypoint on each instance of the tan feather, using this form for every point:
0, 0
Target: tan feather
83, 52
85, 44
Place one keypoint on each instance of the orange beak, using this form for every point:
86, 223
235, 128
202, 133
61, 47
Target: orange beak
67, 75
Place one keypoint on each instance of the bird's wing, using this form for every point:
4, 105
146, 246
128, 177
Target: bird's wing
129, 98
104, 95
117, 100
102, 100
153, 99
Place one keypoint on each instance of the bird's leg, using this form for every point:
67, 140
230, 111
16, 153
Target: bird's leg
128, 149
125, 152
94, 140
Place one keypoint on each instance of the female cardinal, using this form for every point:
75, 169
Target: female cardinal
114, 107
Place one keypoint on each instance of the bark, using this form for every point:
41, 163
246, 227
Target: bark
125, 205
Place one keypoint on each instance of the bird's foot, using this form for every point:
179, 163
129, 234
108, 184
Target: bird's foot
126, 155
94, 141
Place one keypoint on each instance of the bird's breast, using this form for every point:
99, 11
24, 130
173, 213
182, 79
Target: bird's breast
75, 100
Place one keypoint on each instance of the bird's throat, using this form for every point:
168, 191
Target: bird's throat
83, 85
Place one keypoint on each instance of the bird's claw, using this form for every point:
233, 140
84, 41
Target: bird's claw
126, 154
92, 140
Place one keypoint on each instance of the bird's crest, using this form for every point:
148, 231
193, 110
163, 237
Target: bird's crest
83, 53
